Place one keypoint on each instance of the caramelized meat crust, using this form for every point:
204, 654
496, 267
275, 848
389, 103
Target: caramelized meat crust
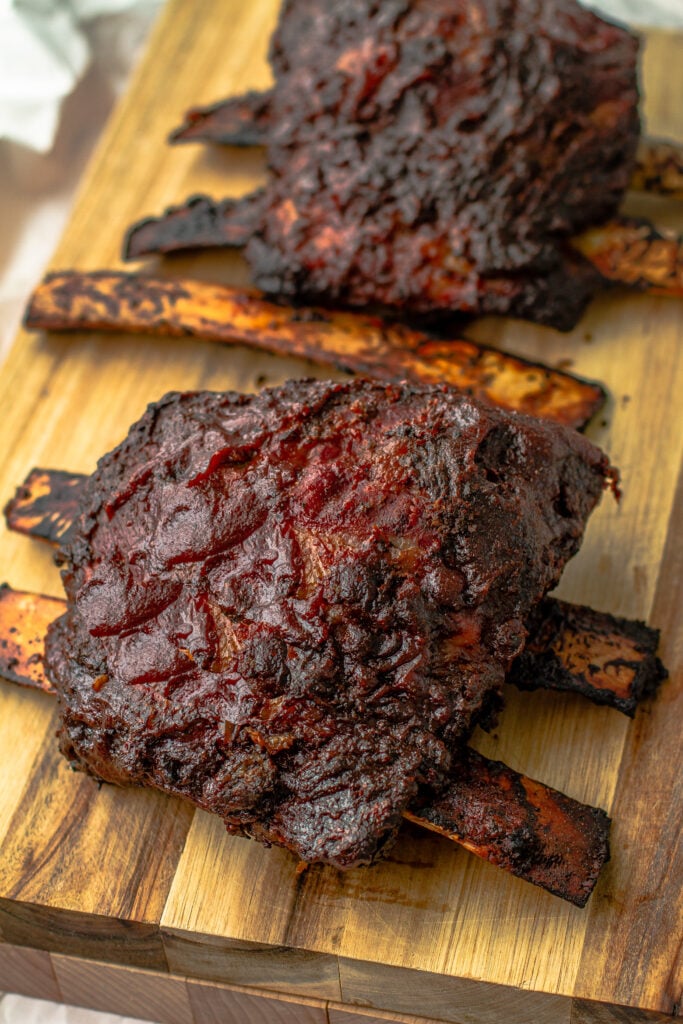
292, 608
436, 154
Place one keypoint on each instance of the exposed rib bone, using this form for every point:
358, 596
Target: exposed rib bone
45, 505
520, 825
523, 826
608, 660
239, 121
105, 300
634, 254
198, 223
24, 619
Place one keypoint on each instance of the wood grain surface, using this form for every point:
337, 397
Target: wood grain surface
133, 878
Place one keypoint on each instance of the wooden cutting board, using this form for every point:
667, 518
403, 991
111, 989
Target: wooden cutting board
136, 880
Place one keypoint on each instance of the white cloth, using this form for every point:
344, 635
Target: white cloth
49, 51
20, 1010
44, 51
641, 12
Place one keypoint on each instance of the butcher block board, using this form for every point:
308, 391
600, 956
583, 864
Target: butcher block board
135, 883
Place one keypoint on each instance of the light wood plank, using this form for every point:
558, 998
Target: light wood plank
237, 935
343, 1015
102, 858
457, 1000
638, 951
600, 1013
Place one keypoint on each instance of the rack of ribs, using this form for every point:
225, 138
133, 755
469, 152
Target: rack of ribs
432, 157
294, 608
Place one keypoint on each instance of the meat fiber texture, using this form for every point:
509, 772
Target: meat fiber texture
292, 608
437, 154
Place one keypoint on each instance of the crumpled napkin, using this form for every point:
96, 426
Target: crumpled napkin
20, 1010
666, 13
44, 51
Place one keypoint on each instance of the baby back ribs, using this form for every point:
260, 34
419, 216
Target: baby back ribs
293, 608
439, 155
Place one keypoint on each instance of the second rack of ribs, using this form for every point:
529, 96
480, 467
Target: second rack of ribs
439, 156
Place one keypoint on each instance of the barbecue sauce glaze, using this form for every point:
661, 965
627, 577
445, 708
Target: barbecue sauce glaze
292, 608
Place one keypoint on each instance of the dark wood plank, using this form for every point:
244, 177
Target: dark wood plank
85, 872
634, 944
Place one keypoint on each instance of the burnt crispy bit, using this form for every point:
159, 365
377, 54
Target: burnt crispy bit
303, 601
610, 660
24, 619
659, 168
634, 254
240, 121
198, 223
45, 505
521, 825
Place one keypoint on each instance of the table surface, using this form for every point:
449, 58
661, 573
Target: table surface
152, 884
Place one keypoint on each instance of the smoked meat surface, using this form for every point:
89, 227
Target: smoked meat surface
292, 608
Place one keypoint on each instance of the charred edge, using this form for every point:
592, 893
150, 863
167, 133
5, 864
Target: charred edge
536, 833
594, 394
45, 505
632, 253
24, 619
539, 667
659, 168
105, 300
199, 223
52, 306
238, 121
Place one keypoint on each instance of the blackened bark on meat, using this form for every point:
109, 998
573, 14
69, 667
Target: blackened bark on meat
521, 825
433, 156
292, 608
569, 647
430, 152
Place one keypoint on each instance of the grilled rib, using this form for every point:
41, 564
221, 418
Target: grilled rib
516, 823
624, 252
247, 120
108, 300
